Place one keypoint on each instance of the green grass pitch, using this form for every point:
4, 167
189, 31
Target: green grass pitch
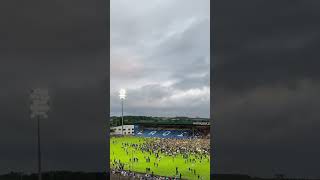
167, 165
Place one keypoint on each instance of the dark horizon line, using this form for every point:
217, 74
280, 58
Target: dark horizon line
51, 171
216, 176
164, 116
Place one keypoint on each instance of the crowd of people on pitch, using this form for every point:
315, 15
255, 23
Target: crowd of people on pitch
192, 150
140, 176
174, 147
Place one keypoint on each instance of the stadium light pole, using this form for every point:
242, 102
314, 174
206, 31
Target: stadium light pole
122, 95
39, 108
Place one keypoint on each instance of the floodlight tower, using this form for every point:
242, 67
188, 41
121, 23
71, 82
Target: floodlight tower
122, 95
39, 108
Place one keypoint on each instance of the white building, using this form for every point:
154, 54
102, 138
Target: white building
127, 130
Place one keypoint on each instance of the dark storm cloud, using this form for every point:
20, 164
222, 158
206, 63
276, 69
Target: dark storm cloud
266, 84
272, 44
52, 26
60, 45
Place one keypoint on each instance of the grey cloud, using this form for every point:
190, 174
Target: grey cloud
265, 87
61, 45
156, 100
169, 53
264, 120
53, 26
191, 82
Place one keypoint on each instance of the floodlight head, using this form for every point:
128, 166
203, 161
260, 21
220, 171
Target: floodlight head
122, 93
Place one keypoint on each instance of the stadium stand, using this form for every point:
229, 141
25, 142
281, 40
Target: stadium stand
177, 134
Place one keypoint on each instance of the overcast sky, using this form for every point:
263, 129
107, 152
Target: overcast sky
266, 87
61, 45
266, 79
160, 55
